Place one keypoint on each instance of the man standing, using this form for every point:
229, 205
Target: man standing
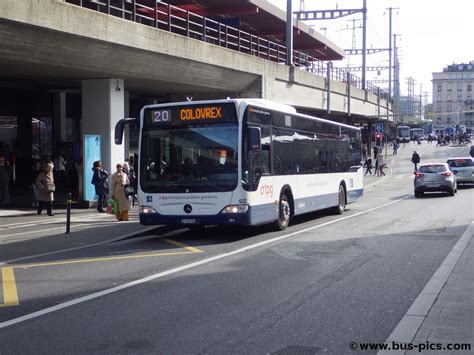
415, 159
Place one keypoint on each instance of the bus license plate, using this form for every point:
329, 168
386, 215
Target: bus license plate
188, 221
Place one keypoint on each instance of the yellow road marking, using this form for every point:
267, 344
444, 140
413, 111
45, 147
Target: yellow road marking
10, 294
111, 258
181, 245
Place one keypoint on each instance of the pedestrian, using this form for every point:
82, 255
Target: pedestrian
368, 164
35, 171
60, 169
395, 148
381, 164
376, 152
99, 180
415, 159
46, 188
119, 181
130, 189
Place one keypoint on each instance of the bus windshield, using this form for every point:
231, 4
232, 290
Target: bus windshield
189, 158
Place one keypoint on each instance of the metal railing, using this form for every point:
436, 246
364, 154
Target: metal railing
174, 19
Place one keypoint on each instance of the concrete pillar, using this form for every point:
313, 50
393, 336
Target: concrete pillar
102, 108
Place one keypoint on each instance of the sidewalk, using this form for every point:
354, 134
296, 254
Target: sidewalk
451, 318
443, 313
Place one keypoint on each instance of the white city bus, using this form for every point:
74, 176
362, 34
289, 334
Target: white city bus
403, 134
416, 132
242, 162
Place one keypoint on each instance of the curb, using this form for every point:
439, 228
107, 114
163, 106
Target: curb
411, 322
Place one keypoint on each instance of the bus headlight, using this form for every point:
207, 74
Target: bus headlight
235, 209
147, 209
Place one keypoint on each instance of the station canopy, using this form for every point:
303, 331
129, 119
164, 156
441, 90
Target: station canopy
265, 20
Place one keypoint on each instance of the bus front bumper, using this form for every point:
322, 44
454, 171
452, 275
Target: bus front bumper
219, 219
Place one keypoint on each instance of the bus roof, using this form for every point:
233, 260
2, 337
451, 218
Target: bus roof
262, 103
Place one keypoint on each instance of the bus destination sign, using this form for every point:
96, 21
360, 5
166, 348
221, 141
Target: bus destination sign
191, 114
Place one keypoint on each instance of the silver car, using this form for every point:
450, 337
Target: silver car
435, 177
463, 168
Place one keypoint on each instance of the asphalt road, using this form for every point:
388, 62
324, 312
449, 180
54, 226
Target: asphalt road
316, 287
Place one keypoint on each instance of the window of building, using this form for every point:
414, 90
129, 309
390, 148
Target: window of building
438, 109
459, 67
449, 119
450, 108
450, 88
440, 87
439, 119
467, 75
459, 98
440, 98
459, 86
469, 87
450, 97
469, 67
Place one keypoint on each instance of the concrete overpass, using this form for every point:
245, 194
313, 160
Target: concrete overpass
67, 47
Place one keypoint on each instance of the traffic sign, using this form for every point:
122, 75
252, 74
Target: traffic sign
379, 127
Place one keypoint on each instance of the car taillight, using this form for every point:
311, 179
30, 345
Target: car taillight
448, 173
419, 175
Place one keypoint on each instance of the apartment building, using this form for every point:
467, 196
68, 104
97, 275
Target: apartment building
453, 96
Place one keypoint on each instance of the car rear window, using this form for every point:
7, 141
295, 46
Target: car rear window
460, 163
433, 169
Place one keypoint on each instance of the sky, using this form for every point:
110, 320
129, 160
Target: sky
433, 34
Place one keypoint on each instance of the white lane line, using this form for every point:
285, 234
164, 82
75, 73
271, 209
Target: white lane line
182, 268
411, 322
54, 221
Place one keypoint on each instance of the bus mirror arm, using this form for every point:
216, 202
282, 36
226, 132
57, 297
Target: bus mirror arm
119, 127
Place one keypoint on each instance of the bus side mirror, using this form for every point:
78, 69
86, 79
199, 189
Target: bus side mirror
119, 127
255, 138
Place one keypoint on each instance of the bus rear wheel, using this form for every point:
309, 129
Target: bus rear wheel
341, 201
284, 213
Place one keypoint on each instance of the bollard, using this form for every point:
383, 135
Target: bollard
68, 214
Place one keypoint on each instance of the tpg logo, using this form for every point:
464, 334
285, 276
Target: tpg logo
266, 190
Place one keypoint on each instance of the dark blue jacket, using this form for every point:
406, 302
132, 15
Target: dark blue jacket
99, 180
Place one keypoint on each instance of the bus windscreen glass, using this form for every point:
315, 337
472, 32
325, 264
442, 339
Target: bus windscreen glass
188, 157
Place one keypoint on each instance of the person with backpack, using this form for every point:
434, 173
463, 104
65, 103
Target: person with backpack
99, 180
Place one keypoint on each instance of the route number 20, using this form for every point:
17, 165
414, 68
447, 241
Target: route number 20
161, 116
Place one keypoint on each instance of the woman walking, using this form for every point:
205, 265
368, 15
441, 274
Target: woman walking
99, 180
119, 181
46, 188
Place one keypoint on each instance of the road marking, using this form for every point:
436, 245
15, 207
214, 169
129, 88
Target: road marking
190, 250
181, 245
61, 251
182, 268
75, 227
94, 260
10, 294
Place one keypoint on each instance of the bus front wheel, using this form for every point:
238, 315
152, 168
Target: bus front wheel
341, 201
284, 213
